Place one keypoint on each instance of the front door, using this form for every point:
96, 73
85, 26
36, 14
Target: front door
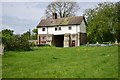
73, 43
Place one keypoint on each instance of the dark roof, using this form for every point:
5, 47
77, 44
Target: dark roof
61, 21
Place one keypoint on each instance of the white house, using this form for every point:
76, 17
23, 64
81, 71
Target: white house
62, 32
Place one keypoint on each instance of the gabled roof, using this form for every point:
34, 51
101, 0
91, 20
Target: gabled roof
76, 20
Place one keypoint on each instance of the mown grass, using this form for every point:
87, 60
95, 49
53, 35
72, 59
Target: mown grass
52, 62
0, 66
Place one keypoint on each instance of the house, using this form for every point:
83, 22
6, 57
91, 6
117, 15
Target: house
62, 32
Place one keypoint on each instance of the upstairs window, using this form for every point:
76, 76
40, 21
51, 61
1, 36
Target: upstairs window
43, 29
56, 29
59, 28
69, 28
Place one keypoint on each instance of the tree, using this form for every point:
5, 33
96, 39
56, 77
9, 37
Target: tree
63, 9
14, 42
26, 35
118, 21
6, 35
102, 23
35, 33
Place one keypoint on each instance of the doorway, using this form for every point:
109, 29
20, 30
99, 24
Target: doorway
58, 40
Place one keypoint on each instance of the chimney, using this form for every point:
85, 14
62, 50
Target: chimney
54, 15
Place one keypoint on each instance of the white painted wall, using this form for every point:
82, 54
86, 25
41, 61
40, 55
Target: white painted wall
64, 29
42, 32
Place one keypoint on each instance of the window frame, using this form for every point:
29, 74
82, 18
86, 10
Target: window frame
59, 28
55, 28
69, 27
43, 29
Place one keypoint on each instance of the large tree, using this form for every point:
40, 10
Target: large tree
118, 21
63, 9
103, 23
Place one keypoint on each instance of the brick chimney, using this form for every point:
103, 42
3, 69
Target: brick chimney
54, 15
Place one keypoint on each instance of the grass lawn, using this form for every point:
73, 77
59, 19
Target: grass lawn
0, 66
52, 62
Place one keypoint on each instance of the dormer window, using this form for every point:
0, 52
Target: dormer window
43, 29
69, 28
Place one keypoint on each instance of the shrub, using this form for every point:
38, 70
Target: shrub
13, 42
17, 43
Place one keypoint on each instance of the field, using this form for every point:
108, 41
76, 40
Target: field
0, 66
52, 62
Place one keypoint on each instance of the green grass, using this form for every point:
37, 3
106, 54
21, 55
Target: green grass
0, 66
52, 62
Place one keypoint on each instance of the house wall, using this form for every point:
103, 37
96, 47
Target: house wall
77, 34
42, 32
82, 27
64, 29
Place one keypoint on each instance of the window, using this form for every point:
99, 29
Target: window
69, 28
43, 42
43, 29
59, 28
55, 29
43, 38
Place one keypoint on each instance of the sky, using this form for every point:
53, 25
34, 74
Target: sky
20, 16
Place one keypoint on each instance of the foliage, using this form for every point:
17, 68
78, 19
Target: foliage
35, 33
0, 38
53, 62
102, 23
15, 42
6, 35
118, 18
63, 9
26, 35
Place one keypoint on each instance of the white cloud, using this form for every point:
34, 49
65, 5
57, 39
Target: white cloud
59, 0
23, 10
19, 25
85, 5
21, 16
4, 26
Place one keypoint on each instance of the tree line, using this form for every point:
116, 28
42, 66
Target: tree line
13, 42
103, 23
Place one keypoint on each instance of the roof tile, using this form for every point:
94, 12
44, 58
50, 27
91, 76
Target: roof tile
60, 21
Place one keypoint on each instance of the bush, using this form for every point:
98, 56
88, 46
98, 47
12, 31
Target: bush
17, 43
14, 42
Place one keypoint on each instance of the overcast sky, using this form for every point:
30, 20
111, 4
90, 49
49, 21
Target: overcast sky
25, 15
